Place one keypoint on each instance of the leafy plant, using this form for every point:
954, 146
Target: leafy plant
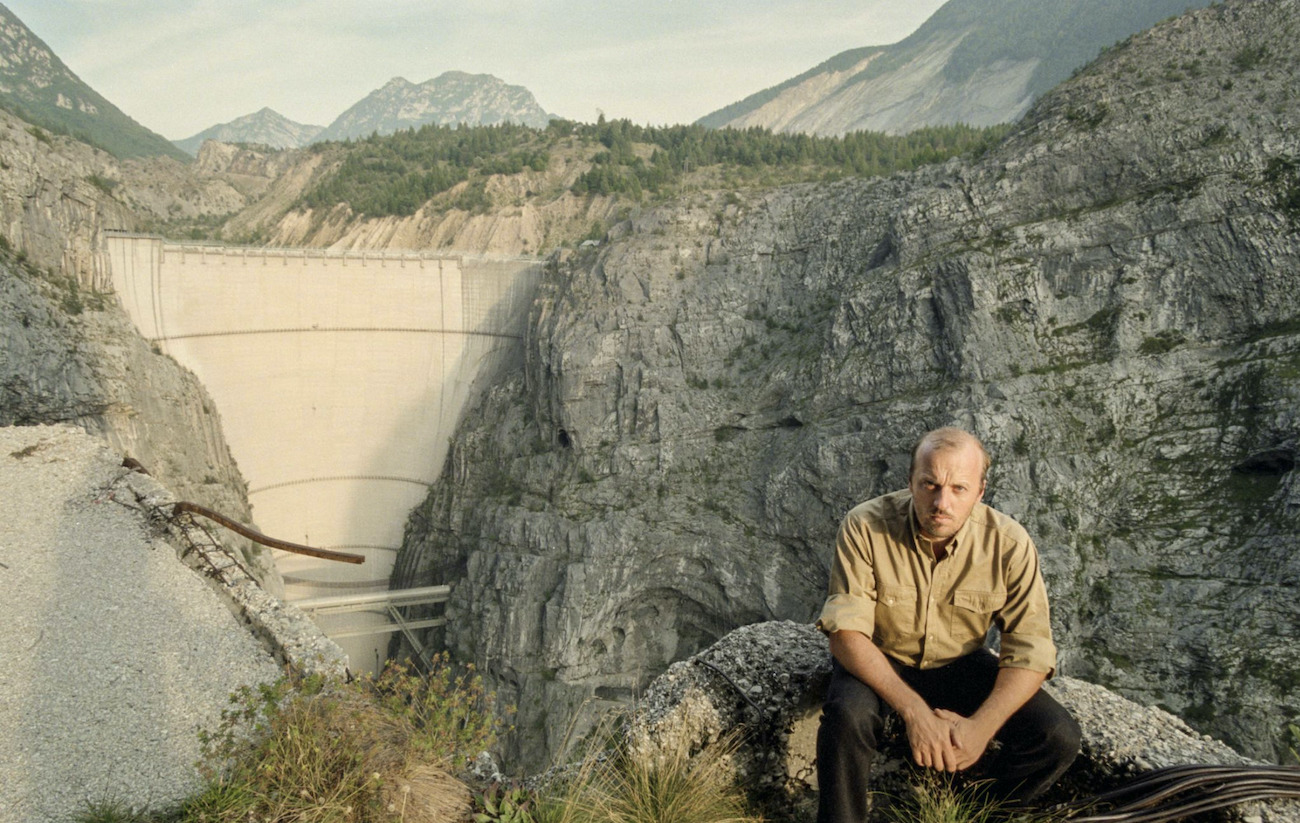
503, 804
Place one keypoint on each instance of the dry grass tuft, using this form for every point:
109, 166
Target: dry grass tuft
428, 794
674, 785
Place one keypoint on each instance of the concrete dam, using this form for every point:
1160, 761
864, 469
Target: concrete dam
339, 376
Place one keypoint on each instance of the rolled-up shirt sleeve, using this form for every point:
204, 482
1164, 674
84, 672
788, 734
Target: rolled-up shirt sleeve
1025, 622
851, 597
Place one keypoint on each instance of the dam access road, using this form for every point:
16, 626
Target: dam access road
339, 377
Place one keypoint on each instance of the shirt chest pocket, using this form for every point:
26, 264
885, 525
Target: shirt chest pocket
896, 612
972, 612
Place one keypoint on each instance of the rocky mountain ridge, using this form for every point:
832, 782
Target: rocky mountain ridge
1107, 299
979, 62
265, 127
57, 194
37, 86
451, 98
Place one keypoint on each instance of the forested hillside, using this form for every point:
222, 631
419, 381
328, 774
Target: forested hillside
397, 174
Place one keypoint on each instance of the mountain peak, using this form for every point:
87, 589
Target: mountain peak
265, 126
451, 98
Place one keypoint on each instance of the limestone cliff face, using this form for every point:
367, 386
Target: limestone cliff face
58, 195
1108, 299
67, 352
71, 357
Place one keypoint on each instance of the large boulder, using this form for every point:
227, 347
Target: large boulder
766, 681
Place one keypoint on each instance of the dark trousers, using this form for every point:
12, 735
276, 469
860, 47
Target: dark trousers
1038, 742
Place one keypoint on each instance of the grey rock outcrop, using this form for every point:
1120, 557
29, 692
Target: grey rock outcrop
67, 352
1108, 299
58, 195
115, 653
766, 681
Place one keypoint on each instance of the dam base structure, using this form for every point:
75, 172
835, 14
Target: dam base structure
339, 377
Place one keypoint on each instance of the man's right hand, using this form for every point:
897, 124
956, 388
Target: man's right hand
930, 737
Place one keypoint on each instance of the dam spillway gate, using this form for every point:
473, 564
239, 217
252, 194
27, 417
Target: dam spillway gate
339, 377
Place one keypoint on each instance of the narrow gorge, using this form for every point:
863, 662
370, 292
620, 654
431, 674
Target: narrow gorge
1107, 298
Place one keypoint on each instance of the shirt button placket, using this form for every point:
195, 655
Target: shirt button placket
931, 617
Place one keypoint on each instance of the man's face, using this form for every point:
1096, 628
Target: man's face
946, 485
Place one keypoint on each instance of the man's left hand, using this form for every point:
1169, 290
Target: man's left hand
968, 740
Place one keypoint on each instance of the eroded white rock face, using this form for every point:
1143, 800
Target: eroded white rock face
1107, 299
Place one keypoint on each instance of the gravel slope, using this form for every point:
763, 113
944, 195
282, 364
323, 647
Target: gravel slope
115, 652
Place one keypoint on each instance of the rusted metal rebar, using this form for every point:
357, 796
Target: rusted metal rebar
258, 537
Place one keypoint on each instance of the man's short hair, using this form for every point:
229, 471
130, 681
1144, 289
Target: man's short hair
950, 437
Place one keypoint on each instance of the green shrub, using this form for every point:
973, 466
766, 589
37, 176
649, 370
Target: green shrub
311, 750
1282, 174
1162, 342
104, 184
1249, 57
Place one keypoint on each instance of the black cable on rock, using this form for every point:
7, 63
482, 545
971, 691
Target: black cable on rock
1176, 792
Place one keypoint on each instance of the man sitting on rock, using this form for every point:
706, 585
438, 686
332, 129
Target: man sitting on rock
919, 577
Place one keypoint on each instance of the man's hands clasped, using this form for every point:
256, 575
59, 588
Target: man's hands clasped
946, 741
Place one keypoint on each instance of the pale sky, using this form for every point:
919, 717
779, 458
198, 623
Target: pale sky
180, 66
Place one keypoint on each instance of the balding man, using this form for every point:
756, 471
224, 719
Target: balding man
919, 577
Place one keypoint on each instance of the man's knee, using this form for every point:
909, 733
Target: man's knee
1064, 739
856, 719
1042, 732
852, 710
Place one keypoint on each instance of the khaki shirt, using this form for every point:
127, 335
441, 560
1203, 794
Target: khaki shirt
924, 613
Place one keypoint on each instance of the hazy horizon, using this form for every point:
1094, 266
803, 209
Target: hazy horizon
181, 66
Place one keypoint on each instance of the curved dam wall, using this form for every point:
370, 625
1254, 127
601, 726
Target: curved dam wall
340, 377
